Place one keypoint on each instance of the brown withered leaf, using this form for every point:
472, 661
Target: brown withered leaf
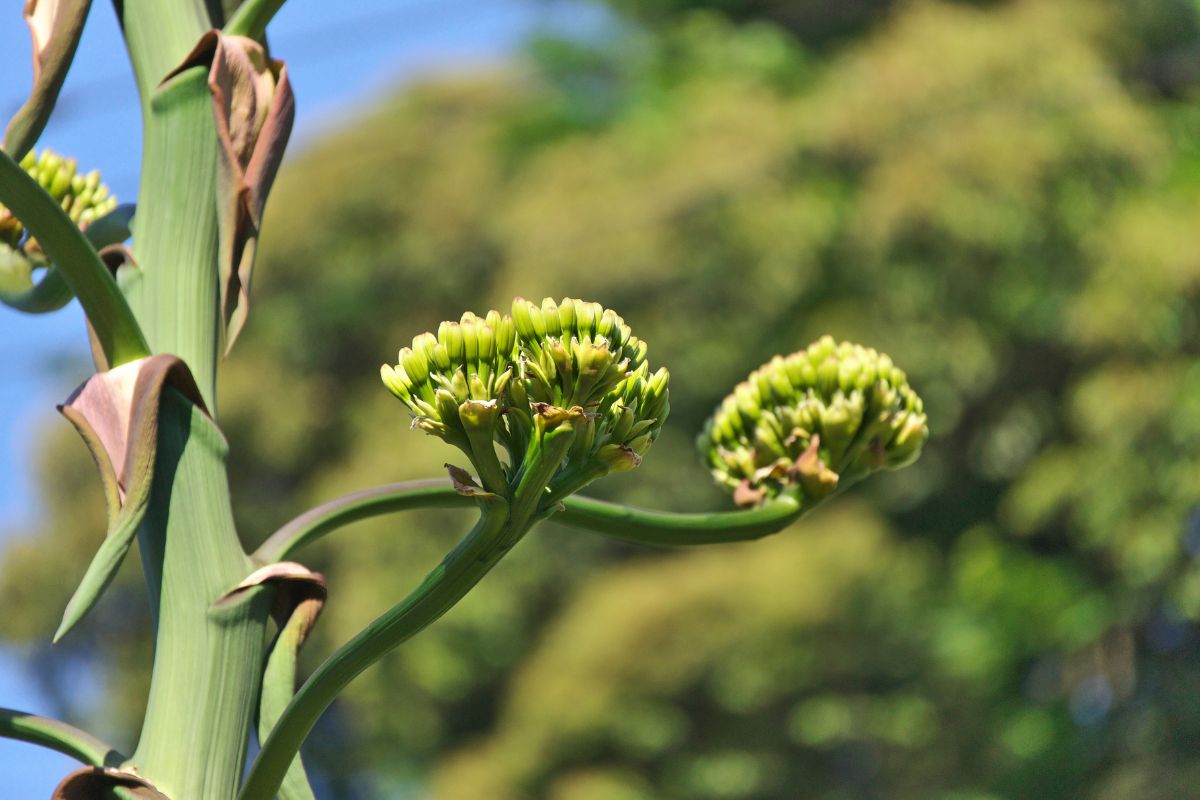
254, 110
816, 479
116, 413
55, 26
96, 783
745, 496
295, 584
465, 484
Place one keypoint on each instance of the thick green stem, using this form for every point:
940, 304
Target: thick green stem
175, 231
251, 18
207, 663
158, 35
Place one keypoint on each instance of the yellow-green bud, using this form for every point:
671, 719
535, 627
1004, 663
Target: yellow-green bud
82, 197
479, 413
567, 368
619, 457
812, 422
450, 335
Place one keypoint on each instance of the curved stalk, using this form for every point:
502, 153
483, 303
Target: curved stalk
501, 525
58, 736
673, 529
374, 502
642, 526
53, 292
458, 573
50, 293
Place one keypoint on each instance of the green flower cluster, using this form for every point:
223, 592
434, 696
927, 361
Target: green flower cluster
82, 196
573, 369
813, 422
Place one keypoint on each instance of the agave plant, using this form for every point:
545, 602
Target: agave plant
539, 401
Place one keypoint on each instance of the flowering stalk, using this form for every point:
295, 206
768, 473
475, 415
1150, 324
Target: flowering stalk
540, 401
525, 383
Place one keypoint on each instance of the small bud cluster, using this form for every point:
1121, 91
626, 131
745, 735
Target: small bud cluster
451, 380
82, 196
813, 422
512, 379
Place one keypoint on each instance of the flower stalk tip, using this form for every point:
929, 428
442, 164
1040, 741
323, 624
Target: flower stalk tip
812, 423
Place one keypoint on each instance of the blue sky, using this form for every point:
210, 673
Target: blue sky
335, 67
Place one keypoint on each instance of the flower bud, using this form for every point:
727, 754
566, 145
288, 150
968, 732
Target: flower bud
506, 335
82, 197
393, 381
830, 414
522, 319
905, 446
619, 457
486, 337
478, 414
415, 365
566, 369
470, 339
450, 336
60, 182
551, 318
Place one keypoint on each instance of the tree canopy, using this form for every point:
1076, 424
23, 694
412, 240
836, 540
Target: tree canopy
1000, 195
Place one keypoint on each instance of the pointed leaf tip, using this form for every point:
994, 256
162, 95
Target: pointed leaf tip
55, 27
254, 109
116, 413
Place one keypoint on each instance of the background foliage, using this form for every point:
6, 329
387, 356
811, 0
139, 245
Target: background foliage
1001, 195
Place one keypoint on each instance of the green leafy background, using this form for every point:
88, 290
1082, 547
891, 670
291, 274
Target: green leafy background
1001, 195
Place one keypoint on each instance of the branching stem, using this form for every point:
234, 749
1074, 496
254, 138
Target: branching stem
643, 526
446, 585
58, 736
